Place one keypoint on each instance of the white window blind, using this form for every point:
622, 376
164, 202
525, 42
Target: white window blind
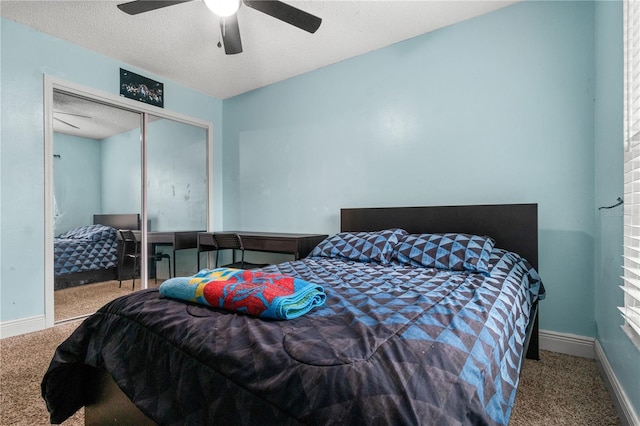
631, 252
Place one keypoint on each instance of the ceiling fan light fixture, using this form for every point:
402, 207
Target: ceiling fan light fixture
223, 8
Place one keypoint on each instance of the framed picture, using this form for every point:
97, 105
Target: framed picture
143, 89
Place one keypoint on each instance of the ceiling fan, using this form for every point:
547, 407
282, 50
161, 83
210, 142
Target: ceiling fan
227, 9
66, 122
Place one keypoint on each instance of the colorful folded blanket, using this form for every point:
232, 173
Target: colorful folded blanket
254, 293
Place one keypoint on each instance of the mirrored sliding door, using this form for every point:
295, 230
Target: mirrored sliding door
177, 194
97, 191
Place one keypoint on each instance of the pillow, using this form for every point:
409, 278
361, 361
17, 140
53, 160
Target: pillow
453, 251
361, 246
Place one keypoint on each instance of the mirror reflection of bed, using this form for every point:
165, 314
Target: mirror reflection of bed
87, 265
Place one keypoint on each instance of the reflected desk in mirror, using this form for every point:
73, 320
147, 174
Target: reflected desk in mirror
179, 240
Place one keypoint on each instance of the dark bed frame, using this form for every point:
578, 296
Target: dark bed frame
118, 221
513, 226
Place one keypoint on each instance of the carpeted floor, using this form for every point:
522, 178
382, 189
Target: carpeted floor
86, 299
557, 390
23, 361
562, 390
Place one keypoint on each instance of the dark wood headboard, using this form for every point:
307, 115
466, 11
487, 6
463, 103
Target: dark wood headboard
514, 227
118, 221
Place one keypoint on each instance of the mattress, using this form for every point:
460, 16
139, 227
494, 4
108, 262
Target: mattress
393, 344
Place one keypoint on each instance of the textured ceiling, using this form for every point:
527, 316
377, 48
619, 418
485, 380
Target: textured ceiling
180, 42
85, 118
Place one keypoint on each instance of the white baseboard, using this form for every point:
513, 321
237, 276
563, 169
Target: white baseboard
618, 395
21, 326
569, 344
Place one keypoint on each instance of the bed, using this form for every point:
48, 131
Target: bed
89, 253
394, 343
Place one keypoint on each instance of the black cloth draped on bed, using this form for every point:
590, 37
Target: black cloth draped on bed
394, 344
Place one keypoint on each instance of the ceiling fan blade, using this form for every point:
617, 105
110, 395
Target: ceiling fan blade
64, 122
289, 14
141, 6
231, 35
70, 113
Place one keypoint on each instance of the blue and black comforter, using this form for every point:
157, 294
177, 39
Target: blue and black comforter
86, 248
392, 345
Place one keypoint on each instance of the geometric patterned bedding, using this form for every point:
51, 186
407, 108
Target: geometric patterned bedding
86, 248
392, 345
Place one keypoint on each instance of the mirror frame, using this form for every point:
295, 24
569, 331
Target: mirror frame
52, 84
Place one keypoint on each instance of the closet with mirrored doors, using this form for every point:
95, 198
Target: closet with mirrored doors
128, 186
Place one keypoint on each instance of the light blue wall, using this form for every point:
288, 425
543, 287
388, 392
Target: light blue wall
77, 181
25, 56
620, 352
177, 177
121, 173
497, 109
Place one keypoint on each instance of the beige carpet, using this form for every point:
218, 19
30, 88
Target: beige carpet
86, 299
557, 390
23, 361
562, 390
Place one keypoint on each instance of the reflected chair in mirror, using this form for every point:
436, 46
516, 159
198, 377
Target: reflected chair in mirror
232, 241
131, 250
207, 244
